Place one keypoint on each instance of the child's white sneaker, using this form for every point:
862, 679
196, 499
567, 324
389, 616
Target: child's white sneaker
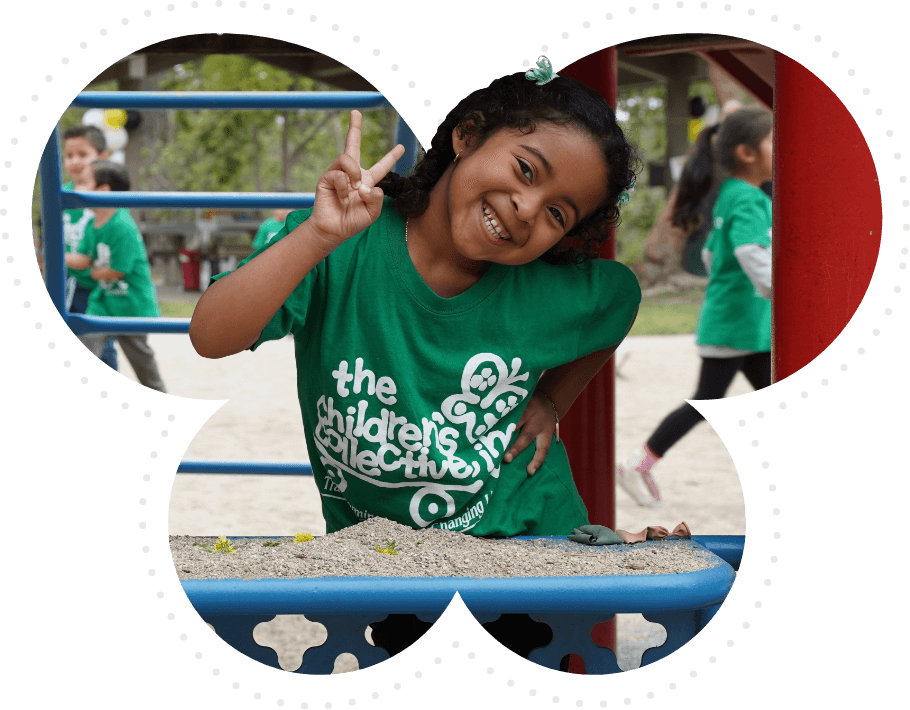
640, 486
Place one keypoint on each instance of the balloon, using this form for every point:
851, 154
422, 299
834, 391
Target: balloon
115, 118
695, 127
116, 138
119, 157
93, 117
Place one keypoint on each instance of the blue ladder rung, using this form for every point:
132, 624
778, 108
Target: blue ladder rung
231, 100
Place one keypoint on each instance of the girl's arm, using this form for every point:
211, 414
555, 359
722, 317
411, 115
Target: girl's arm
105, 273
563, 384
755, 260
234, 310
232, 313
558, 388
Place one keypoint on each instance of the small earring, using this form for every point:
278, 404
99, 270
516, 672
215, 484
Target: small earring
456, 158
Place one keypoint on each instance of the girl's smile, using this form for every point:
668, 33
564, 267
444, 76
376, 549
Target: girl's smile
505, 200
494, 227
515, 196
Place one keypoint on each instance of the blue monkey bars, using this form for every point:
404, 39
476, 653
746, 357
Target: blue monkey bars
54, 200
682, 603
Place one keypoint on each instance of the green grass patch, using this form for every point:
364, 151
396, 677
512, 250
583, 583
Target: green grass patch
667, 314
182, 309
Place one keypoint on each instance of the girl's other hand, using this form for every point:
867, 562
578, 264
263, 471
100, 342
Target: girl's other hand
537, 424
347, 199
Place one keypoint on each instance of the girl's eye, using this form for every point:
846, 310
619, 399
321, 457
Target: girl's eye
530, 175
525, 169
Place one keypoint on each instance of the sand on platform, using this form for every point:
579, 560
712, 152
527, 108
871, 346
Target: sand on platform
262, 422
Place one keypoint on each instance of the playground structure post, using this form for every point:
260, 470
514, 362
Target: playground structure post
827, 221
588, 428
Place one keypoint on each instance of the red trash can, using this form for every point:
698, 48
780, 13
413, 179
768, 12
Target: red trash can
189, 261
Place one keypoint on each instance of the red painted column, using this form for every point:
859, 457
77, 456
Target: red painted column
588, 428
827, 217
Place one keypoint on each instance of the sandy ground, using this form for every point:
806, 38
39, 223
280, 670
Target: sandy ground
262, 422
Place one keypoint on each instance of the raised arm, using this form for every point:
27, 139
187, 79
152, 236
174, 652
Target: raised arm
232, 313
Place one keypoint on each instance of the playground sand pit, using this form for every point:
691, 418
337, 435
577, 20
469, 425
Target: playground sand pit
357, 552
261, 421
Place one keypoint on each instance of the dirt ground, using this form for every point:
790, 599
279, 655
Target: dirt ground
262, 422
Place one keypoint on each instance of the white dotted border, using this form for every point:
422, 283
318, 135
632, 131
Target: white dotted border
51, 345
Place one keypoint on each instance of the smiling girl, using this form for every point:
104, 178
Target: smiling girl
445, 320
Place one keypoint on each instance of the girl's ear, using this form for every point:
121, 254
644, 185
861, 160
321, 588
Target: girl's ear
462, 139
745, 154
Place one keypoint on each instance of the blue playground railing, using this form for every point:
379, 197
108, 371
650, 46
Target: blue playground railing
54, 199
682, 604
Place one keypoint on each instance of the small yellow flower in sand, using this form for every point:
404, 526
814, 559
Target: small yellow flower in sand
391, 548
302, 537
224, 545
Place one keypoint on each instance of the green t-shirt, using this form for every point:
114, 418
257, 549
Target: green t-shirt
410, 400
118, 245
76, 223
733, 314
267, 230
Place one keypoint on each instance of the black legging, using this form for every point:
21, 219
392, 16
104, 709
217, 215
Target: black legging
716, 375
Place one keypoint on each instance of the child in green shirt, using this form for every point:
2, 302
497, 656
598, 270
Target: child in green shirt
82, 145
268, 229
442, 331
734, 327
115, 253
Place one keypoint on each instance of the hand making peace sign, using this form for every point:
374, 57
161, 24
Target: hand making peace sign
347, 199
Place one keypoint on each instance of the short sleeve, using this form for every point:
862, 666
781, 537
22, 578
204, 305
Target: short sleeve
294, 311
750, 221
615, 298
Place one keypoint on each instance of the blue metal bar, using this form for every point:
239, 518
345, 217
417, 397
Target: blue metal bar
246, 467
55, 200
728, 547
613, 594
231, 100
187, 200
81, 324
52, 224
405, 136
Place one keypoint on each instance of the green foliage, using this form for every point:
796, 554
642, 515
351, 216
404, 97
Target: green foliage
646, 128
669, 314
271, 543
240, 151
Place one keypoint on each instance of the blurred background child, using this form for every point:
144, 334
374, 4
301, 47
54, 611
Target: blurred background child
82, 145
115, 255
734, 326
271, 226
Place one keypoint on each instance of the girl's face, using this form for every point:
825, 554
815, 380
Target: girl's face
516, 196
766, 156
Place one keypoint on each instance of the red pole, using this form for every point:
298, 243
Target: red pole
827, 217
588, 428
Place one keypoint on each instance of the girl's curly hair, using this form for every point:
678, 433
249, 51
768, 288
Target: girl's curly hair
520, 104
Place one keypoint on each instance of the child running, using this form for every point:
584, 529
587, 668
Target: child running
446, 320
734, 327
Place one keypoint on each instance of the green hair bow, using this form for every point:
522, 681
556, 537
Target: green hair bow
626, 195
543, 73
